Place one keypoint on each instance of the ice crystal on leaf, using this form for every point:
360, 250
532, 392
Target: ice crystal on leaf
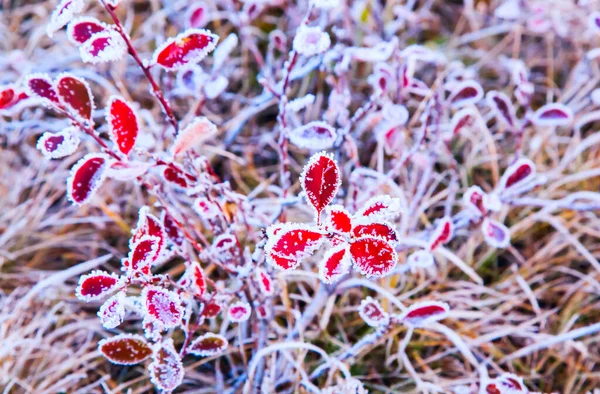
42, 87
320, 181
265, 282
517, 174
335, 264
59, 145
188, 47
465, 93
148, 225
112, 312
495, 234
310, 41
365, 227
82, 29
381, 207
314, 135
76, 96
373, 257
339, 219
423, 313
86, 177
127, 170
463, 119
502, 108
105, 46
125, 349
208, 345
197, 16
173, 232
122, 123
166, 369
291, 244
63, 14
96, 285
372, 313
143, 254
239, 312
162, 306
420, 259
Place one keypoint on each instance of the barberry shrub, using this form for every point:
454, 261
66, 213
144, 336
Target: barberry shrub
302, 177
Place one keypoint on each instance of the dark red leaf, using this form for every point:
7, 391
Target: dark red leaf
86, 177
378, 229
518, 173
75, 95
174, 233
97, 285
190, 46
335, 264
125, 349
462, 119
314, 135
166, 369
473, 199
553, 115
372, 313
148, 225
502, 107
425, 312
8, 96
81, 29
41, 86
162, 306
208, 345
143, 253
373, 256
58, 145
465, 93
122, 124
211, 310
321, 181
443, 234
177, 176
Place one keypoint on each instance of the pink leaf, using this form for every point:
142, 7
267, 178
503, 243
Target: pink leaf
58, 145
81, 29
474, 200
381, 207
197, 132
495, 234
208, 345
291, 244
162, 306
96, 285
225, 248
423, 313
517, 174
125, 349
112, 312
239, 312
166, 369
75, 95
41, 86
105, 46
265, 282
339, 219
372, 313
553, 115
443, 234
174, 233
502, 107
381, 230
63, 14
86, 177
321, 181
314, 135
373, 256
311, 40
190, 46
334, 264
465, 93
122, 124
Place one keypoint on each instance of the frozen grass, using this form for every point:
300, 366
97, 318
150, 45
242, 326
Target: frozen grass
532, 309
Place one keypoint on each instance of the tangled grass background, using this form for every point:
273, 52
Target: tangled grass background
535, 311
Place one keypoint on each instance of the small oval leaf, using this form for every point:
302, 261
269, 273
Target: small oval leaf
423, 313
58, 145
239, 312
125, 349
373, 256
189, 47
314, 135
96, 285
82, 29
321, 180
166, 368
372, 313
75, 95
86, 177
553, 115
208, 345
495, 234
162, 306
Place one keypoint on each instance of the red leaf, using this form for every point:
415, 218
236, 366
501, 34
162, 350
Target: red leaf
372, 313
190, 46
239, 312
148, 225
379, 230
197, 16
553, 115
58, 145
112, 312
265, 282
174, 233
127, 171
166, 369
81, 29
373, 256
211, 310
177, 176
197, 132
122, 124
339, 219
502, 107
321, 181
518, 173
105, 46
473, 199
8, 96
492, 388
292, 243
382, 207
334, 264
495, 234
96, 285
208, 345
125, 349
198, 279
443, 234
63, 14
75, 95
86, 177
41, 86
314, 135
225, 248
422, 313
143, 253
162, 306
465, 93
462, 119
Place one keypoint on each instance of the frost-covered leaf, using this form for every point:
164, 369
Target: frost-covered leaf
105, 46
166, 368
225, 248
175, 175
188, 47
8, 97
112, 312
381, 207
148, 225
206, 209
58, 145
339, 219
265, 282
214, 87
125, 349
465, 93
224, 50
173, 232
41, 86
82, 29
197, 16
321, 180
211, 310
517, 174
96, 285
495, 234
314, 135
423, 313
162, 305
462, 119
311, 40
122, 123
63, 14
442, 234
197, 132
502, 107
473, 200
239, 312
553, 115
291, 244
365, 227
208, 345
372, 313
86, 177
373, 256
127, 170
334, 264
380, 52
143, 254
76, 96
